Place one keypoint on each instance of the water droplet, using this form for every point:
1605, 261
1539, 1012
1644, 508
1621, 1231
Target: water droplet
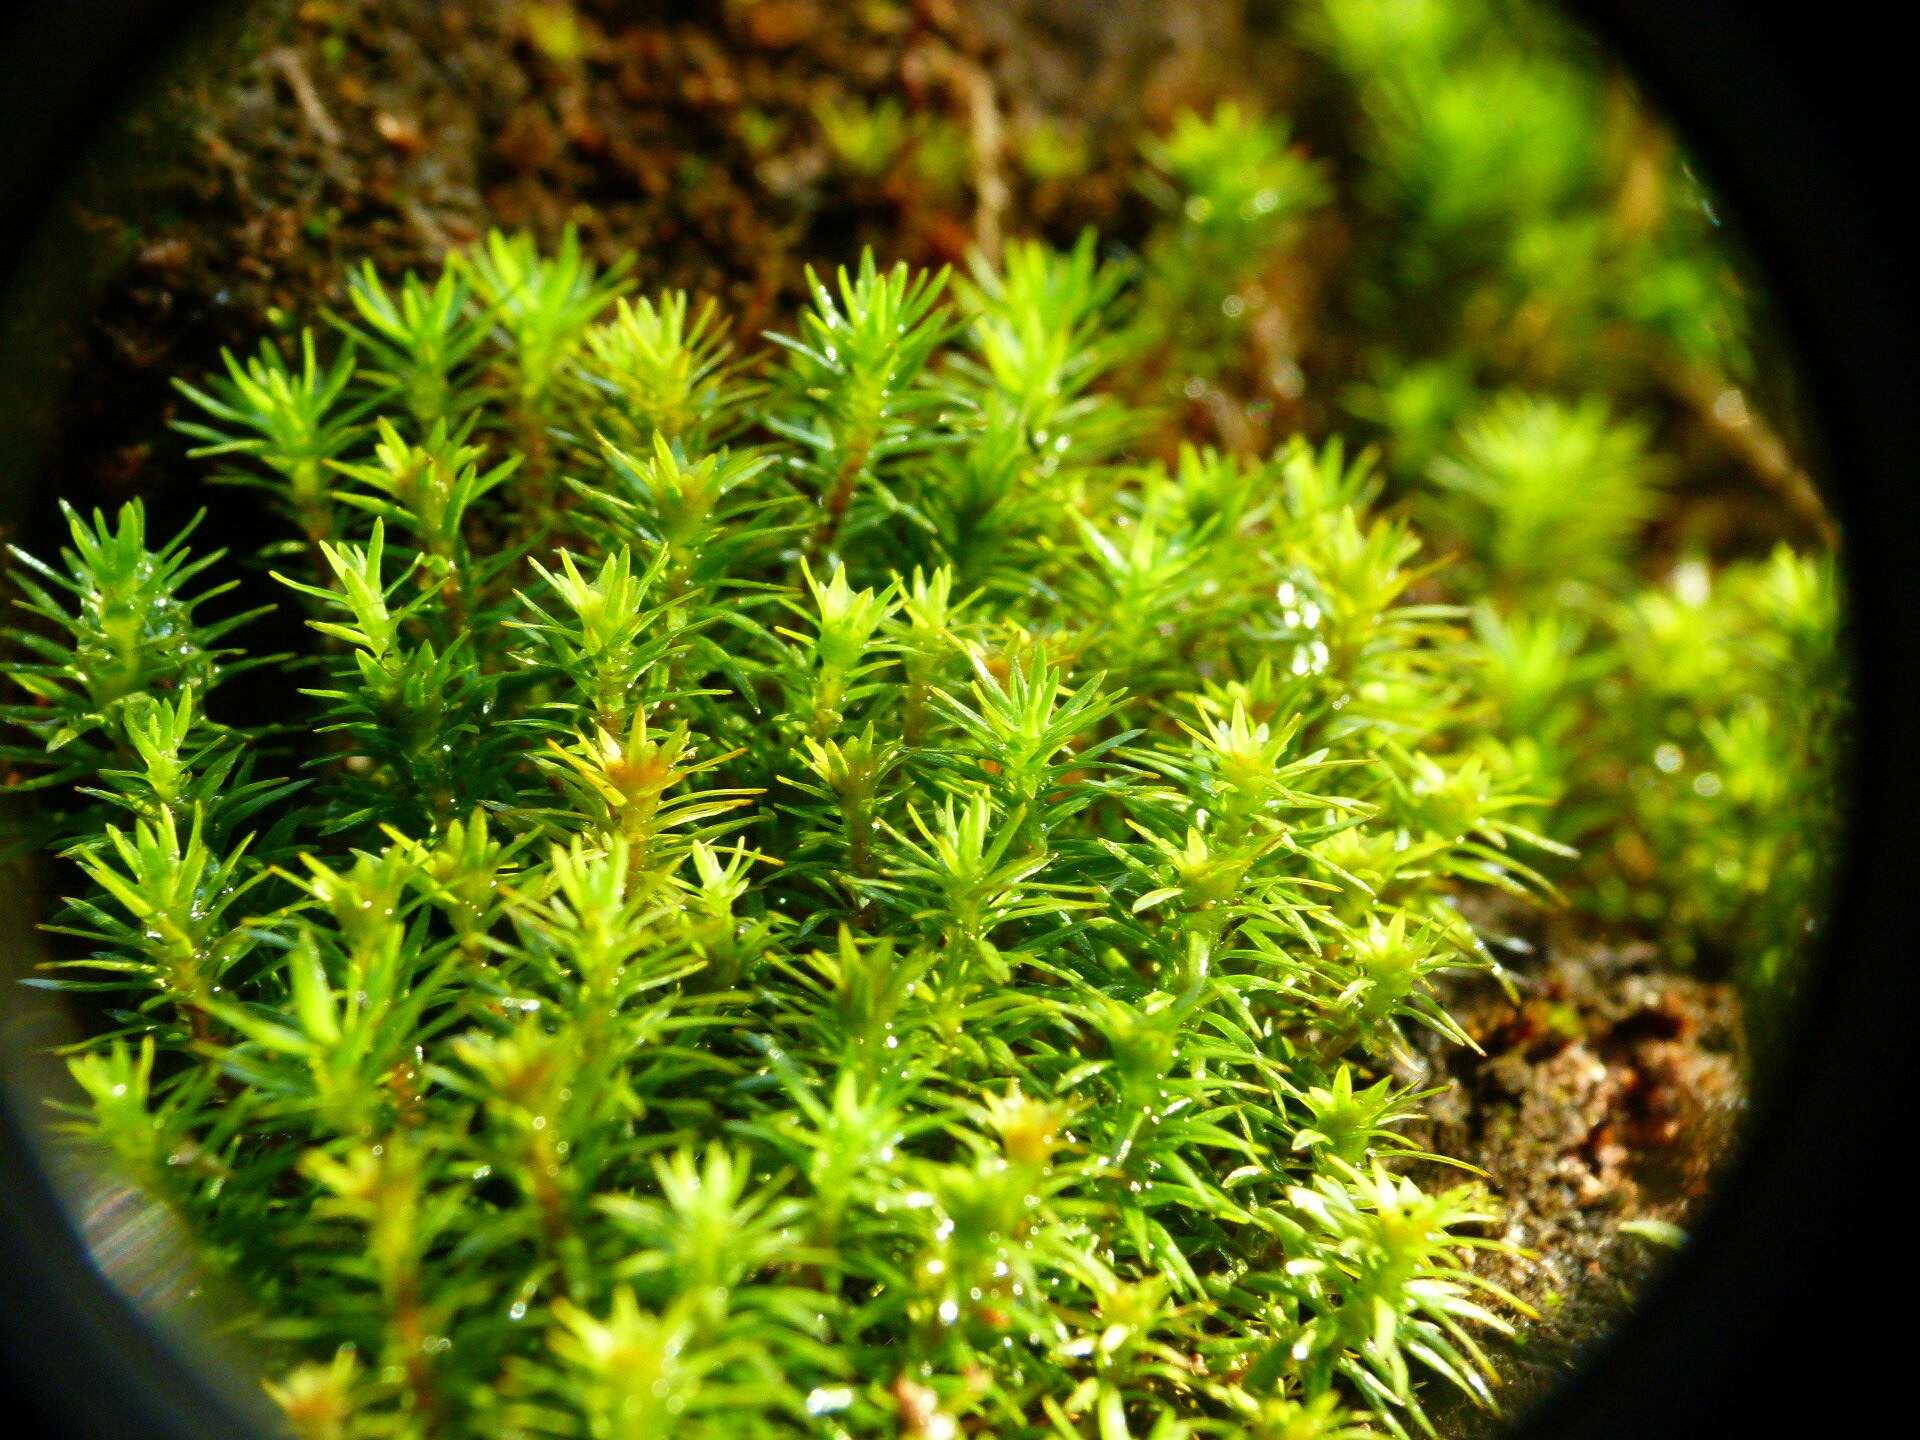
826, 1400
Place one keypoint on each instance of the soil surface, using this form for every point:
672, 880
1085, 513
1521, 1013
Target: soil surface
1607, 1091
304, 137
309, 135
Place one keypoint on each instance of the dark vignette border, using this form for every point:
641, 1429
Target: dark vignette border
1797, 114
1792, 115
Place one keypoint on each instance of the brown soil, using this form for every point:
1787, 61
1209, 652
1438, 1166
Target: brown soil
307, 136
314, 134
1607, 1093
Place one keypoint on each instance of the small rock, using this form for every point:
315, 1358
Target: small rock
399, 132
780, 24
166, 255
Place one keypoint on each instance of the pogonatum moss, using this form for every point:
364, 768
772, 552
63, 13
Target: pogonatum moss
852, 897
823, 890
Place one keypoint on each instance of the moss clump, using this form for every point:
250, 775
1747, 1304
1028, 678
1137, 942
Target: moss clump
828, 888
850, 897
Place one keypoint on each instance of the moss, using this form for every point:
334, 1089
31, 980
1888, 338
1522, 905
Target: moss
690, 842
881, 881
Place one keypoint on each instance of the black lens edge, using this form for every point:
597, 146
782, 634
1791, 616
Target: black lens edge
1797, 118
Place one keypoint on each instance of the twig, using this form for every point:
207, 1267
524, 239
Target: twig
1640, 208
305, 96
989, 185
429, 228
1723, 409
